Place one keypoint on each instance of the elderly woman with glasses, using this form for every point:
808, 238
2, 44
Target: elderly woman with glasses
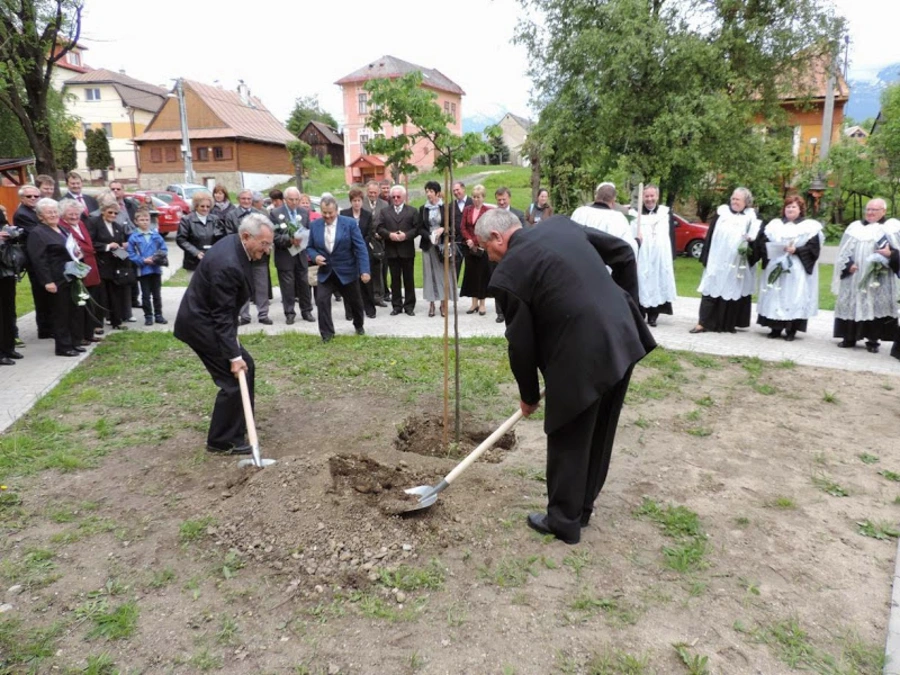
197, 230
88, 321
49, 249
109, 237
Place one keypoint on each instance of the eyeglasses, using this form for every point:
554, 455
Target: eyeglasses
31, 196
264, 244
396, 196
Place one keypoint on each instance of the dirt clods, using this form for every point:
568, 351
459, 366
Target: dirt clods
423, 434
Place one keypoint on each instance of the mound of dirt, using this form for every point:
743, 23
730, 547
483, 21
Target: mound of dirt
423, 434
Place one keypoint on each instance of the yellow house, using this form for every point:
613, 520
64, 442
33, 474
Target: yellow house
120, 105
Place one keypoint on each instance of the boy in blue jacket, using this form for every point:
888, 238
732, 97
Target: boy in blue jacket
146, 246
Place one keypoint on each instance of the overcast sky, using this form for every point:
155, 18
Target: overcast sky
283, 50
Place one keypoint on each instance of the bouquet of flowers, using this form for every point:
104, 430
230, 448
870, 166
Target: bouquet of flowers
782, 266
876, 269
743, 252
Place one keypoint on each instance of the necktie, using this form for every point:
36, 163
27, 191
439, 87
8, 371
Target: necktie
81, 201
398, 209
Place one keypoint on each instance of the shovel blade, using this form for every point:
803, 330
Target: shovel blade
253, 462
427, 496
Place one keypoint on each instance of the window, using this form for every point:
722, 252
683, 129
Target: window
222, 153
107, 129
202, 154
453, 110
363, 104
171, 155
91, 94
363, 141
156, 155
73, 58
446, 106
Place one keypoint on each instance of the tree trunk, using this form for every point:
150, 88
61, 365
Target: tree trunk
298, 175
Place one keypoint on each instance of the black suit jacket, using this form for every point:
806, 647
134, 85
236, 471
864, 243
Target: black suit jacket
48, 255
566, 317
279, 217
26, 218
207, 319
106, 261
365, 223
407, 221
90, 203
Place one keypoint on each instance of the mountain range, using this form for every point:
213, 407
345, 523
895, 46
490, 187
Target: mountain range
865, 95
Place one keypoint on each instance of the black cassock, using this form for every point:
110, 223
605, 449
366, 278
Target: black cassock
208, 322
581, 328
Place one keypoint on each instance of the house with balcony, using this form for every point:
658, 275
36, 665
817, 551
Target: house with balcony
234, 140
121, 106
360, 165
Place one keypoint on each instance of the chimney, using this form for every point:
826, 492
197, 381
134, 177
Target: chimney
121, 71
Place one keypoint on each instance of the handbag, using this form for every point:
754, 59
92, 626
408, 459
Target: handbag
12, 261
376, 249
160, 259
124, 274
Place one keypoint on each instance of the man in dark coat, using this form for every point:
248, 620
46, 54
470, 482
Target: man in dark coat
397, 226
567, 318
260, 281
373, 204
291, 262
74, 185
26, 218
207, 322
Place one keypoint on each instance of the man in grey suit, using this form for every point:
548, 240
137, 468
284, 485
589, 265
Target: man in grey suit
291, 235
259, 268
373, 204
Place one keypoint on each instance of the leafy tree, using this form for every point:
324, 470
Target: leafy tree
885, 142
499, 152
299, 151
66, 154
306, 109
667, 90
34, 36
98, 155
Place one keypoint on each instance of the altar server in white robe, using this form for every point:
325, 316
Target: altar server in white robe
655, 234
789, 248
729, 261
865, 280
602, 215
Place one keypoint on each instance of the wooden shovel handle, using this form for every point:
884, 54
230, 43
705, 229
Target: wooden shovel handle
248, 410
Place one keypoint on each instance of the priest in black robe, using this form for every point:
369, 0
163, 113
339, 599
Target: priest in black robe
581, 328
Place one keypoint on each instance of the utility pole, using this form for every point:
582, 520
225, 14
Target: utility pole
185, 137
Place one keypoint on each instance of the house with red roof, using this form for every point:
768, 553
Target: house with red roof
360, 165
234, 140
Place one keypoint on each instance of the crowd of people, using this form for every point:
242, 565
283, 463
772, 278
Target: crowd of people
122, 258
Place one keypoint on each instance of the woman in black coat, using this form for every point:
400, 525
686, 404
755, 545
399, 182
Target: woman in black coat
109, 236
48, 256
197, 230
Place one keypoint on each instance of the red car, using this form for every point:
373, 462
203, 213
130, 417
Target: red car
169, 198
689, 237
167, 215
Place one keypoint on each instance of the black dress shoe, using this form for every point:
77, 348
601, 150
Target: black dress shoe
872, 347
472, 311
538, 523
327, 338
410, 312
380, 303
789, 335
243, 449
395, 311
161, 320
307, 316
68, 352
500, 318
80, 350
360, 331
243, 321
120, 327
651, 323
290, 319
13, 355
846, 344
774, 334
266, 321
6, 361
371, 316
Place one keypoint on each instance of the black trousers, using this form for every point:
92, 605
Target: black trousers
43, 307
7, 315
116, 301
302, 289
378, 268
151, 289
402, 271
288, 284
352, 299
65, 318
227, 425
578, 456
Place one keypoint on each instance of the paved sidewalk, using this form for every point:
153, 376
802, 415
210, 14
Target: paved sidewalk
36, 374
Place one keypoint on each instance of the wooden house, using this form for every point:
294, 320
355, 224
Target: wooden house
324, 142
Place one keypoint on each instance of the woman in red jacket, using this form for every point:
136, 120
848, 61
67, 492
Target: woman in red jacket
478, 270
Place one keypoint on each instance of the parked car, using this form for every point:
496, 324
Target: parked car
171, 198
689, 237
164, 217
185, 190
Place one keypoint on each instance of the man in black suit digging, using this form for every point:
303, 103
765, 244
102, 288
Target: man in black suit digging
207, 322
582, 329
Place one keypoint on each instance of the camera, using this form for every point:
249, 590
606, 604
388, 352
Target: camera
13, 232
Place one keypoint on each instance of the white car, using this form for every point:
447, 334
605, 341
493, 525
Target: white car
185, 190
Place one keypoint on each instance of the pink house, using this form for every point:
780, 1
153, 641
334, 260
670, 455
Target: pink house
356, 108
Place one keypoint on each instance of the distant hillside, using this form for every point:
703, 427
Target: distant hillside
478, 121
865, 95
